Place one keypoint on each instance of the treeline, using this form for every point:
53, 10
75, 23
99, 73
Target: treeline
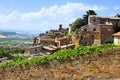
9, 53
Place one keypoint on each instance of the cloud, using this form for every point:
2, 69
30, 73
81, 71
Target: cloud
117, 8
71, 7
47, 18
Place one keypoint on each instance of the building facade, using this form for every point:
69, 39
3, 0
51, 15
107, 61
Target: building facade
99, 30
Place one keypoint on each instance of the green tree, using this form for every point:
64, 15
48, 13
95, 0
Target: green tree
78, 23
118, 27
89, 12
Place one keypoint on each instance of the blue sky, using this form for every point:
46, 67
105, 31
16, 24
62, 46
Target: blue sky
42, 15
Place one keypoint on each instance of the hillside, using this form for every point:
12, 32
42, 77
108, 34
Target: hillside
92, 66
8, 34
3, 36
13, 41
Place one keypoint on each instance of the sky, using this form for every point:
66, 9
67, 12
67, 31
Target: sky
42, 15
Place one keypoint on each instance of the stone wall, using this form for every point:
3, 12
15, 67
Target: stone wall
85, 38
48, 41
34, 49
62, 42
106, 32
104, 66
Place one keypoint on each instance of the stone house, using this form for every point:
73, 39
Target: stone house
33, 50
54, 38
49, 36
99, 30
95, 20
83, 38
117, 38
36, 41
62, 41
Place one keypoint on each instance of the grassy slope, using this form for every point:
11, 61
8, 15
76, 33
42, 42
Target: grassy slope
61, 54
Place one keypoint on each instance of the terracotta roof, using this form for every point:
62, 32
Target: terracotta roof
116, 34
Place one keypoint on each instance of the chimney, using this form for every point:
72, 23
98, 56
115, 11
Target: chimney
70, 28
60, 27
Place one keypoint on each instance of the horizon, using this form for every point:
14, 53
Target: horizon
43, 15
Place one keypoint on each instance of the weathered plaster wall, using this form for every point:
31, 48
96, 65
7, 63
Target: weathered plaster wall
84, 67
116, 40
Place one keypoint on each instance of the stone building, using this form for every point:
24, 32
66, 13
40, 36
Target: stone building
94, 21
49, 37
33, 50
50, 41
84, 38
99, 30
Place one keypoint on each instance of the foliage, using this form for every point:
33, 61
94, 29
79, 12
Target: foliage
66, 33
19, 58
60, 54
11, 46
9, 53
118, 27
79, 22
85, 17
4, 53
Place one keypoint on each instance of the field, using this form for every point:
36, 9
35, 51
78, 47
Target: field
14, 44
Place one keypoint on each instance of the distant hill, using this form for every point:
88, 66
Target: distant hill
7, 34
3, 36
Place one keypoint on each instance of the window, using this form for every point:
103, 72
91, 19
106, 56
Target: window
81, 37
94, 29
92, 36
85, 29
35, 50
